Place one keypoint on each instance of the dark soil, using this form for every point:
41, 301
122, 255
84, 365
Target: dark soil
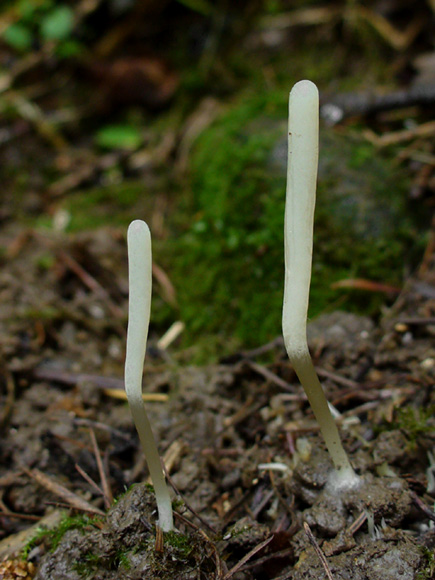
238, 439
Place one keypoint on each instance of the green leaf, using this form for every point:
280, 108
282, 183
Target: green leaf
26, 9
58, 24
68, 49
119, 137
18, 36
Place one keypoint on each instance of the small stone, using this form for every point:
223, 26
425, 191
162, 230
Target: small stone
427, 363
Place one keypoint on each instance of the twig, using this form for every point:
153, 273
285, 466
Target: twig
171, 334
366, 285
423, 507
112, 386
356, 524
169, 293
417, 321
318, 551
264, 500
187, 505
273, 556
158, 545
148, 397
5, 511
80, 422
276, 342
56, 488
248, 409
339, 380
270, 376
107, 492
89, 479
398, 39
423, 130
91, 283
247, 557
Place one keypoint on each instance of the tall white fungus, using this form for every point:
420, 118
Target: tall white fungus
303, 153
139, 306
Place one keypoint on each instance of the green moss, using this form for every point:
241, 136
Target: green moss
414, 422
87, 566
227, 266
99, 206
54, 536
90, 563
180, 543
217, 262
427, 571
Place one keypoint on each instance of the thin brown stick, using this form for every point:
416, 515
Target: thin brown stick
270, 376
5, 511
273, 556
68, 496
14, 515
91, 283
111, 386
416, 321
159, 544
186, 504
318, 551
338, 379
81, 422
276, 342
107, 492
246, 558
423, 507
356, 524
89, 479
366, 285
423, 130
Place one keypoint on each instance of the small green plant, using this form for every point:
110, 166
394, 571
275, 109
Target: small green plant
125, 137
42, 22
428, 568
181, 543
414, 422
88, 565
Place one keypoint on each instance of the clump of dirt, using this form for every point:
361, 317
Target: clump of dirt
125, 544
381, 504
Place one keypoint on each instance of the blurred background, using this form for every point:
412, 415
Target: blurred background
175, 112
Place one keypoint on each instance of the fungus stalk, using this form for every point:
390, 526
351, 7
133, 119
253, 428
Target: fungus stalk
140, 280
303, 152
